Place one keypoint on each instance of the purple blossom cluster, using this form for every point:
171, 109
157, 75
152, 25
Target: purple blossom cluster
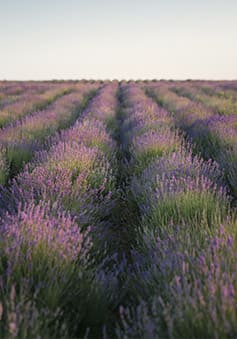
35, 229
77, 177
187, 286
216, 127
216, 137
174, 176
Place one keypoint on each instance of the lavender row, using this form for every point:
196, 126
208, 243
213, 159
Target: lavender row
60, 200
220, 89
73, 172
183, 282
212, 135
12, 92
147, 127
30, 101
19, 87
20, 140
166, 165
218, 101
184, 111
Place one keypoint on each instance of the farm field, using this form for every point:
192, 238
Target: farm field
118, 209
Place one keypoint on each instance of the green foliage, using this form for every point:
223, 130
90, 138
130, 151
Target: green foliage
192, 208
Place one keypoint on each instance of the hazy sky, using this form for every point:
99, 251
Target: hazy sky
138, 39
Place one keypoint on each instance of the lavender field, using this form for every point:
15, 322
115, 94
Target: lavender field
118, 209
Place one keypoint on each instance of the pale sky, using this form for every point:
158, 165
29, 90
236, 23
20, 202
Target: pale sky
106, 39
